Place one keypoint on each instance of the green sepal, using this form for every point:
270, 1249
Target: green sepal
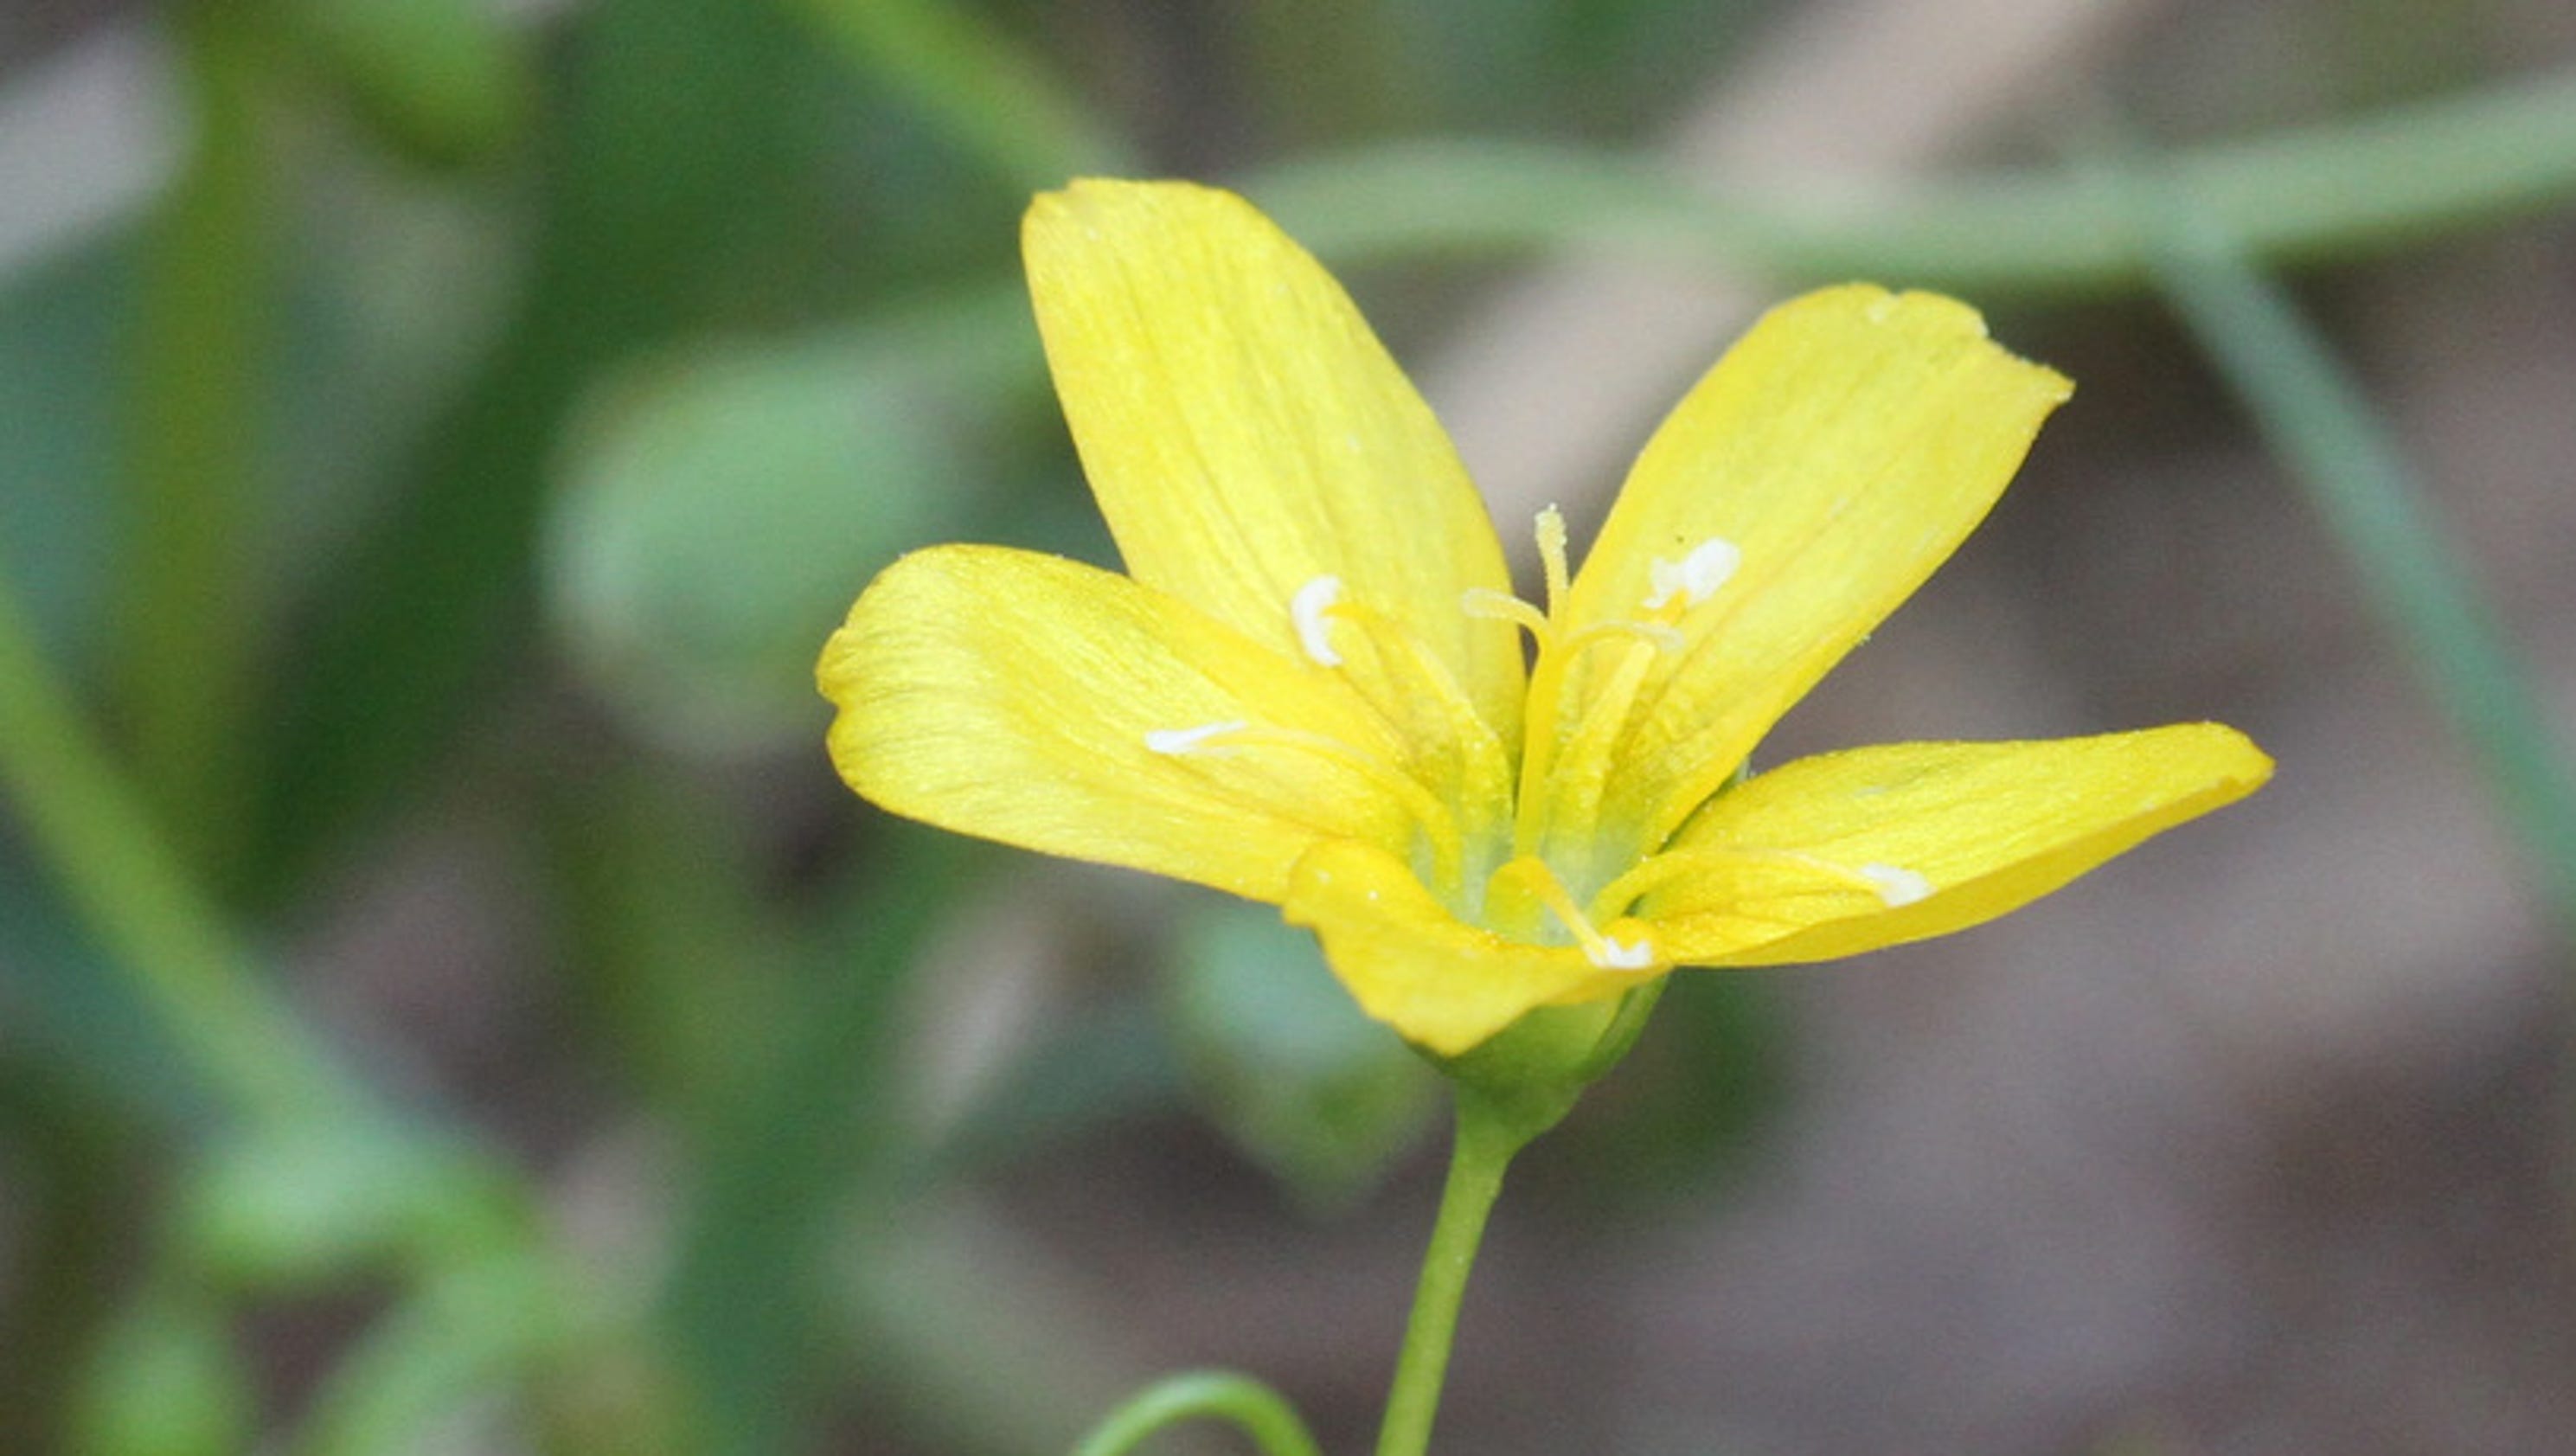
1527, 1077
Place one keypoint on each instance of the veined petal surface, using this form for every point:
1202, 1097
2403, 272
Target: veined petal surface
1439, 982
1246, 433
1846, 852
1011, 695
1842, 449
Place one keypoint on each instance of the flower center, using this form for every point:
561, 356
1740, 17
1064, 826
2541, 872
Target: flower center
1528, 882
1454, 779
1584, 686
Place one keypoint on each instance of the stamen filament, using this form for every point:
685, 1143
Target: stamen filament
1484, 769
1589, 746
1596, 731
1655, 634
1432, 817
1487, 604
1532, 876
1580, 774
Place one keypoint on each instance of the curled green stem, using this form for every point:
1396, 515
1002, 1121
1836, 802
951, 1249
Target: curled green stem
1258, 1411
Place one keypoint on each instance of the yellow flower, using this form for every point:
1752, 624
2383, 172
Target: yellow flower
1311, 687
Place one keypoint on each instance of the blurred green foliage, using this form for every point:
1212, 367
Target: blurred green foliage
486, 420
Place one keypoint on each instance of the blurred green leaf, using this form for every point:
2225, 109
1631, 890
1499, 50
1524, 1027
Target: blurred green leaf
425, 1377
720, 512
198, 396
1283, 1060
58, 382
679, 156
1093, 1068
813, 1132
657, 887
297, 1208
444, 81
90, 1028
164, 1380
69, 1159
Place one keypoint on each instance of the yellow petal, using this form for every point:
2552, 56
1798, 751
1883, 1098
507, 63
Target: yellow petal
1439, 982
1011, 695
1247, 434
1841, 450
1846, 852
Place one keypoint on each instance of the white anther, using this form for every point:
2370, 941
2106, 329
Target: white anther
1175, 741
1612, 955
1308, 609
1896, 886
1697, 577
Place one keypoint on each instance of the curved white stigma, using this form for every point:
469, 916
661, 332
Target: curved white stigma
1697, 577
1898, 887
1308, 609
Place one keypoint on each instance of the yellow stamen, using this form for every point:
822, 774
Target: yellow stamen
1489, 605
1483, 767
1570, 795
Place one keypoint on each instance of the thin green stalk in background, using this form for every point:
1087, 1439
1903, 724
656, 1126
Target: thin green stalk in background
1252, 1407
2332, 189
2335, 189
638, 221
2316, 419
116, 869
450, 1218
976, 83
811, 1138
198, 346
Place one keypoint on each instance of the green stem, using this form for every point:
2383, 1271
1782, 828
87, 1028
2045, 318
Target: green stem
2331, 189
1487, 1137
2316, 420
192, 453
1260, 1412
94, 834
266, 1066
